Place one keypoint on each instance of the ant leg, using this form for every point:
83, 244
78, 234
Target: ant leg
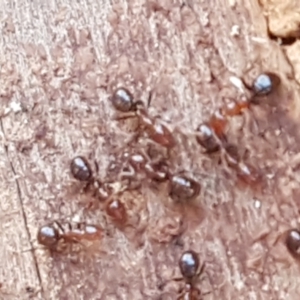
206, 293
149, 99
201, 270
124, 116
96, 166
86, 187
177, 279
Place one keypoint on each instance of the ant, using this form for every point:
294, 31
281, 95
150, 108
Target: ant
263, 85
245, 172
211, 135
123, 101
182, 188
191, 271
139, 162
82, 171
292, 242
55, 234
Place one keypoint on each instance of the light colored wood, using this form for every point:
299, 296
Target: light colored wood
59, 61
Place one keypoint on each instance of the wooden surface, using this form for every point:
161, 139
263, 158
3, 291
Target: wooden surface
59, 61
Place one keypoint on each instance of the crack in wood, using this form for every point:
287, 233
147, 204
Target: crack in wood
38, 273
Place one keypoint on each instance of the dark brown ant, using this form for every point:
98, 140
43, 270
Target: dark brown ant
191, 271
292, 242
183, 188
82, 171
56, 236
265, 83
122, 101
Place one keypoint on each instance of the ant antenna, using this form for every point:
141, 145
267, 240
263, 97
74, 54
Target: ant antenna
149, 99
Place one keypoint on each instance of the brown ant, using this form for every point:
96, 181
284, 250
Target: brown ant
211, 135
292, 242
231, 108
123, 101
182, 188
56, 236
191, 271
82, 171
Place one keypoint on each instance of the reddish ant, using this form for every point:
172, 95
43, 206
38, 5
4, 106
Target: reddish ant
123, 101
245, 172
56, 236
191, 271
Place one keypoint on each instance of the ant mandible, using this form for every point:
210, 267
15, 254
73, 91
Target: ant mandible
123, 101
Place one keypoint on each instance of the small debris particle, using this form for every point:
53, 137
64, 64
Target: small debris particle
257, 203
235, 30
15, 106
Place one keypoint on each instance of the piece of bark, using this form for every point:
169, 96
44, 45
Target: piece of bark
59, 64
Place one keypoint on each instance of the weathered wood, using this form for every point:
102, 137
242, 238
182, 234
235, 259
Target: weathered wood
59, 63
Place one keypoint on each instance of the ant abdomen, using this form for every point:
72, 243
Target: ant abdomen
191, 271
81, 169
189, 265
207, 139
183, 188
